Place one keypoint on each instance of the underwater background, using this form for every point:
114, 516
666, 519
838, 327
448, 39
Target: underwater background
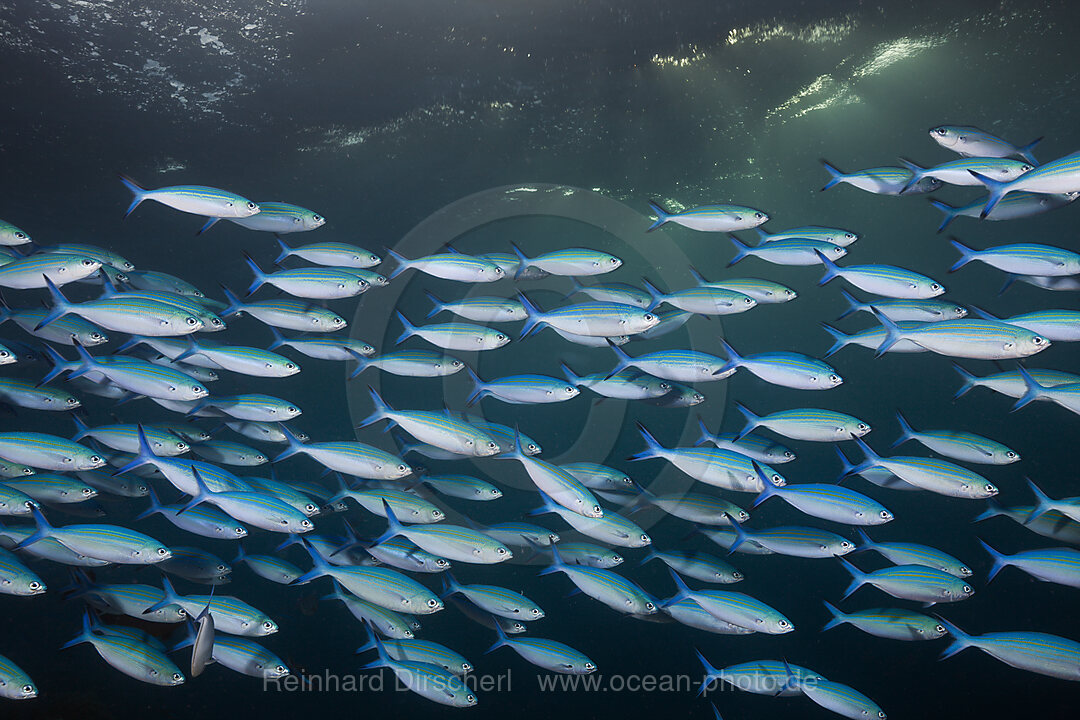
378, 115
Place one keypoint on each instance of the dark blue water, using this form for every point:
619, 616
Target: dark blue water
378, 117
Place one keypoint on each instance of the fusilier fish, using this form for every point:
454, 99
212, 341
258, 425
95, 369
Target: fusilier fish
710, 218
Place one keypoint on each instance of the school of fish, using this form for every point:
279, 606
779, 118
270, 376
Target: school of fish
380, 560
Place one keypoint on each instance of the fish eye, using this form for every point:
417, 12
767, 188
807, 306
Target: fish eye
1010, 454
783, 623
614, 261
789, 454
1037, 340
305, 524
442, 563
834, 378
70, 401
93, 459
268, 625
939, 628
500, 551
162, 551
432, 603
885, 514
649, 317
35, 585
317, 218
991, 489
87, 262
940, 131
737, 575
27, 688
645, 538
290, 366
935, 286
777, 479
838, 249
251, 205
967, 588
292, 409
190, 320
845, 544
239, 531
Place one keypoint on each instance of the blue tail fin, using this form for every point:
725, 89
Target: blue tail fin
734, 358
961, 640
662, 215
42, 531
260, 277
835, 176
865, 543
853, 304
711, 673
395, 527
838, 618
917, 174
478, 390
155, 504
295, 446
146, 455
968, 378
202, 493
846, 467
857, 575
403, 264
321, 568
705, 436
279, 339
654, 293
170, 597
286, 251
752, 421
1042, 503
698, 277
1000, 561
769, 489
950, 212
623, 360
86, 635
523, 262
682, 590
906, 431
653, 449
966, 254
437, 305
992, 510
997, 190
381, 409
235, 305
408, 331
571, 377
137, 191
832, 271
741, 250
61, 305
534, 316
1026, 151
1034, 390
840, 340
893, 332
